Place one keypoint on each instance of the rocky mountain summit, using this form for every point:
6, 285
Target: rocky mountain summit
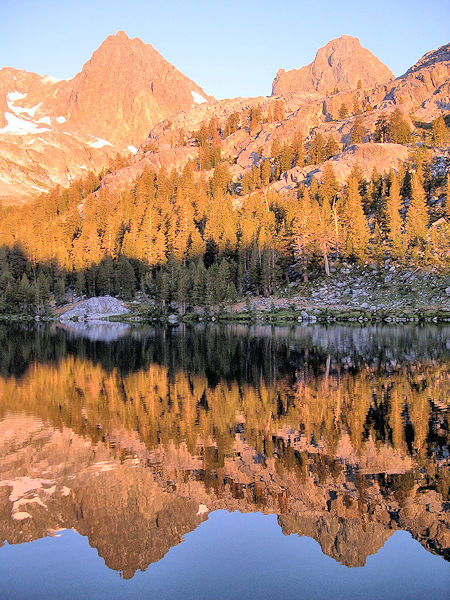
52, 131
124, 90
342, 63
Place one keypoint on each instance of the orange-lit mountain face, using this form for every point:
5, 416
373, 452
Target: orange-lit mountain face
52, 132
342, 63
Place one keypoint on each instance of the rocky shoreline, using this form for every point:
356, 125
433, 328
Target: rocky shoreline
350, 294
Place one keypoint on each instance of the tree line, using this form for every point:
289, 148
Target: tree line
191, 239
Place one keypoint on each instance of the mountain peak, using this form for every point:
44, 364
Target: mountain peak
341, 63
121, 35
125, 89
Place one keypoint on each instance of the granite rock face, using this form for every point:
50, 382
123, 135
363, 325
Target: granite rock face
341, 63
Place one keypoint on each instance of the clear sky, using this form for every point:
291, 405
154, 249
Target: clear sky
230, 47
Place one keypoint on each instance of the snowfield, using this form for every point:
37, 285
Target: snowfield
99, 143
17, 126
198, 98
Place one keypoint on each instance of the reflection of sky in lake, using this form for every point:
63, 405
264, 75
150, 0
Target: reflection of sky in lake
230, 556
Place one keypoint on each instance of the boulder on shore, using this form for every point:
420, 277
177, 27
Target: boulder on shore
95, 308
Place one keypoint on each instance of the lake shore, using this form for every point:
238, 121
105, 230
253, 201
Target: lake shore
349, 294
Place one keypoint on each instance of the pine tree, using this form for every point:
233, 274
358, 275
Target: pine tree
26, 294
278, 110
331, 148
42, 292
303, 233
298, 149
80, 283
417, 215
398, 129
265, 172
105, 277
329, 186
358, 232
440, 133
381, 129
285, 158
60, 289
393, 217
358, 131
316, 149
125, 278
343, 111
447, 197
324, 230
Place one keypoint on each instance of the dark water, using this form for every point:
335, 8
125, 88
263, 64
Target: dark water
224, 462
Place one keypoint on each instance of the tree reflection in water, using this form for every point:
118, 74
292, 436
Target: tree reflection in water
133, 439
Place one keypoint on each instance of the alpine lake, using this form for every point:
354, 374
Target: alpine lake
224, 462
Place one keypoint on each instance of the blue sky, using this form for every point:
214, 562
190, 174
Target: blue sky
230, 48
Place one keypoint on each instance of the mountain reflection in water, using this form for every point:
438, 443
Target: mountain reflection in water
133, 440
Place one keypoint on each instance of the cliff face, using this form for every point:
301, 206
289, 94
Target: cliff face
342, 63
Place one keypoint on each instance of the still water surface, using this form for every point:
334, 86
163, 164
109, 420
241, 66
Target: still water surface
224, 462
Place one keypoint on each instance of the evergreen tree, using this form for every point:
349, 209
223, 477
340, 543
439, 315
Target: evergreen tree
398, 129
298, 150
316, 149
105, 277
447, 197
381, 129
417, 215
331, 148
285, 158
278, 110
60, 289
358, 232
393, 217
125, 278
265, 172
439, 130
358, 131
343, 111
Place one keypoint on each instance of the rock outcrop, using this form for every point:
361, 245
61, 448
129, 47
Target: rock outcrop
382, 157
425, 88
94, 309
342, 63
127, 92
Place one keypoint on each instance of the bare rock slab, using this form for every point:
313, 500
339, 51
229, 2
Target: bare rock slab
99, 307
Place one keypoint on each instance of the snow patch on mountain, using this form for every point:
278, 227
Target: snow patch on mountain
17, 126
99, 143
198, 98
132, 149
11, 99
13, 96
60, 119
